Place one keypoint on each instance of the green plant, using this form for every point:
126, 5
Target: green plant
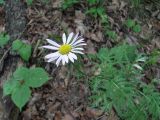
137, 28
23, 49
131, 24
96, 11
95, 2
136, 3
30, 2
19, 84
68, 3
1, 2
111, 34
119, 85
99, 12
153, 57
4, 38
92, 2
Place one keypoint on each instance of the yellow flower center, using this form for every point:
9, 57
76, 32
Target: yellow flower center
65, 49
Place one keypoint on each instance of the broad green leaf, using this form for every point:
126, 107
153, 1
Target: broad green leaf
137, 28
25, 52
37, 77
23, 49
130, 23
20, 96
9, 86
3, 39
21, 73
17, 44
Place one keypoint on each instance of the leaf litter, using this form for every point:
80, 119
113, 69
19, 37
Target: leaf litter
66, 98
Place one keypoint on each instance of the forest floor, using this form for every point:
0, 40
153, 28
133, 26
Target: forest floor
65, 96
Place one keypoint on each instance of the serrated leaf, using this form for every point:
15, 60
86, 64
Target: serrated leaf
9, 86
25, 52
17, 44
3, 39
37, 77
137, 28
20, 96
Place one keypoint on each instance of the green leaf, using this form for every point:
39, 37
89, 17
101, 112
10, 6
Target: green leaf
23, 78
91, 2
37, 77
137, 28
20, 96
25, 52
17, 44
4, 38
29, 2
103, 54
130, 23
23, 49
68, 3
1, 2
92, 11
9, 86
111, 34
101, 11
21, 73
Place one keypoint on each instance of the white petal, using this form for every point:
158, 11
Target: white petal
75, 38
52, 55
58, 61
63, 60
52, 59
73, 55
66, 58
53, 43
81, 44
50, 47
76, 51
70, 37
70, 57
79, 41
64, 38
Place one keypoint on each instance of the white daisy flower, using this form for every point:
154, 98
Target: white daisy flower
65, 52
